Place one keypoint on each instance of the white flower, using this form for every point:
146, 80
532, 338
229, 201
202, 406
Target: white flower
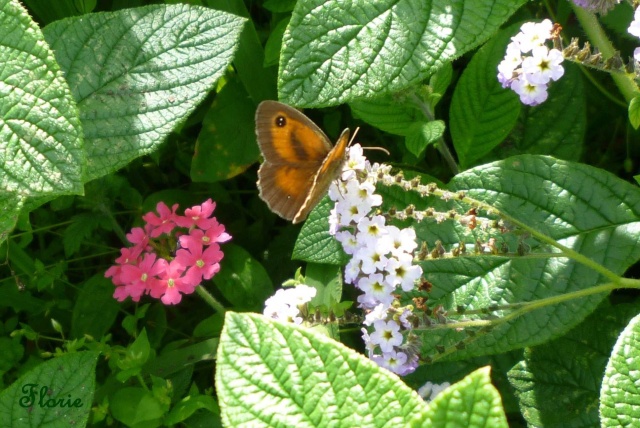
348, 241
284, 305
508, 66
371, 229
404, 240
543, 65
429, 390
386, 335
634, 27
378, 313
376, 290
533, 34
530, 93
402, 272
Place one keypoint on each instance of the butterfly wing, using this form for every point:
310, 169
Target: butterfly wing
294, 150
329, 171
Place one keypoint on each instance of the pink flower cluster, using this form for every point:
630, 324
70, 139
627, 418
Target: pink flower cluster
149, 266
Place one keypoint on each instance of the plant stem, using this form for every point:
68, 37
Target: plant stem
599, 39
207, 297
441, 145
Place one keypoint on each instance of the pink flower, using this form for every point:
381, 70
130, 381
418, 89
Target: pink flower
138, 236
201, 264
172, 283
148, 267
143, 276
163, 223
198, 216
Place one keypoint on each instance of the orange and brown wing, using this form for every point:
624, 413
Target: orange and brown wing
288, 137
284, 188
328, 171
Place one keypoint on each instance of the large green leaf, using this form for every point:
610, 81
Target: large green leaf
31, 400
334, 51
41, 151
472, 402
620, 394
482, 111
584, 208
558, 383
539, 129
137, 73
271, 374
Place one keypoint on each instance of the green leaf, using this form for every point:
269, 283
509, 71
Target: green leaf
137, 407
175, 360
392, 114
136, 356
314, 244
249, 61
556, 127
597, 216
424, 134
162, 61
82, 227
269, 374
634, 112
471, 403
11, 206
541, 380
243, 280
274, 43
335, 51
95, 309
187, 406
482, 111
29, 401
41, 149
619, 404
230, 119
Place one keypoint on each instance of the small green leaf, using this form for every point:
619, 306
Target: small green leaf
634, 112
136, 356
482, 112
619, 397
137, 407
314, 243
471, 403
424, 134
95, 309
31, 400
82, 227
242, 279
270, 374
335, 51
162, 61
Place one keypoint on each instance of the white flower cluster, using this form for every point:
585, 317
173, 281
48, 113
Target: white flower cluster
381, 259
634, 29
285, 304
381, 255
529, 66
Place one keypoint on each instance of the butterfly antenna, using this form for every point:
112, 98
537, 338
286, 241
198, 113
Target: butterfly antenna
382, 149
353, 137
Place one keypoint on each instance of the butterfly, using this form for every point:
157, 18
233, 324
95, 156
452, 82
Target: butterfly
299, 161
